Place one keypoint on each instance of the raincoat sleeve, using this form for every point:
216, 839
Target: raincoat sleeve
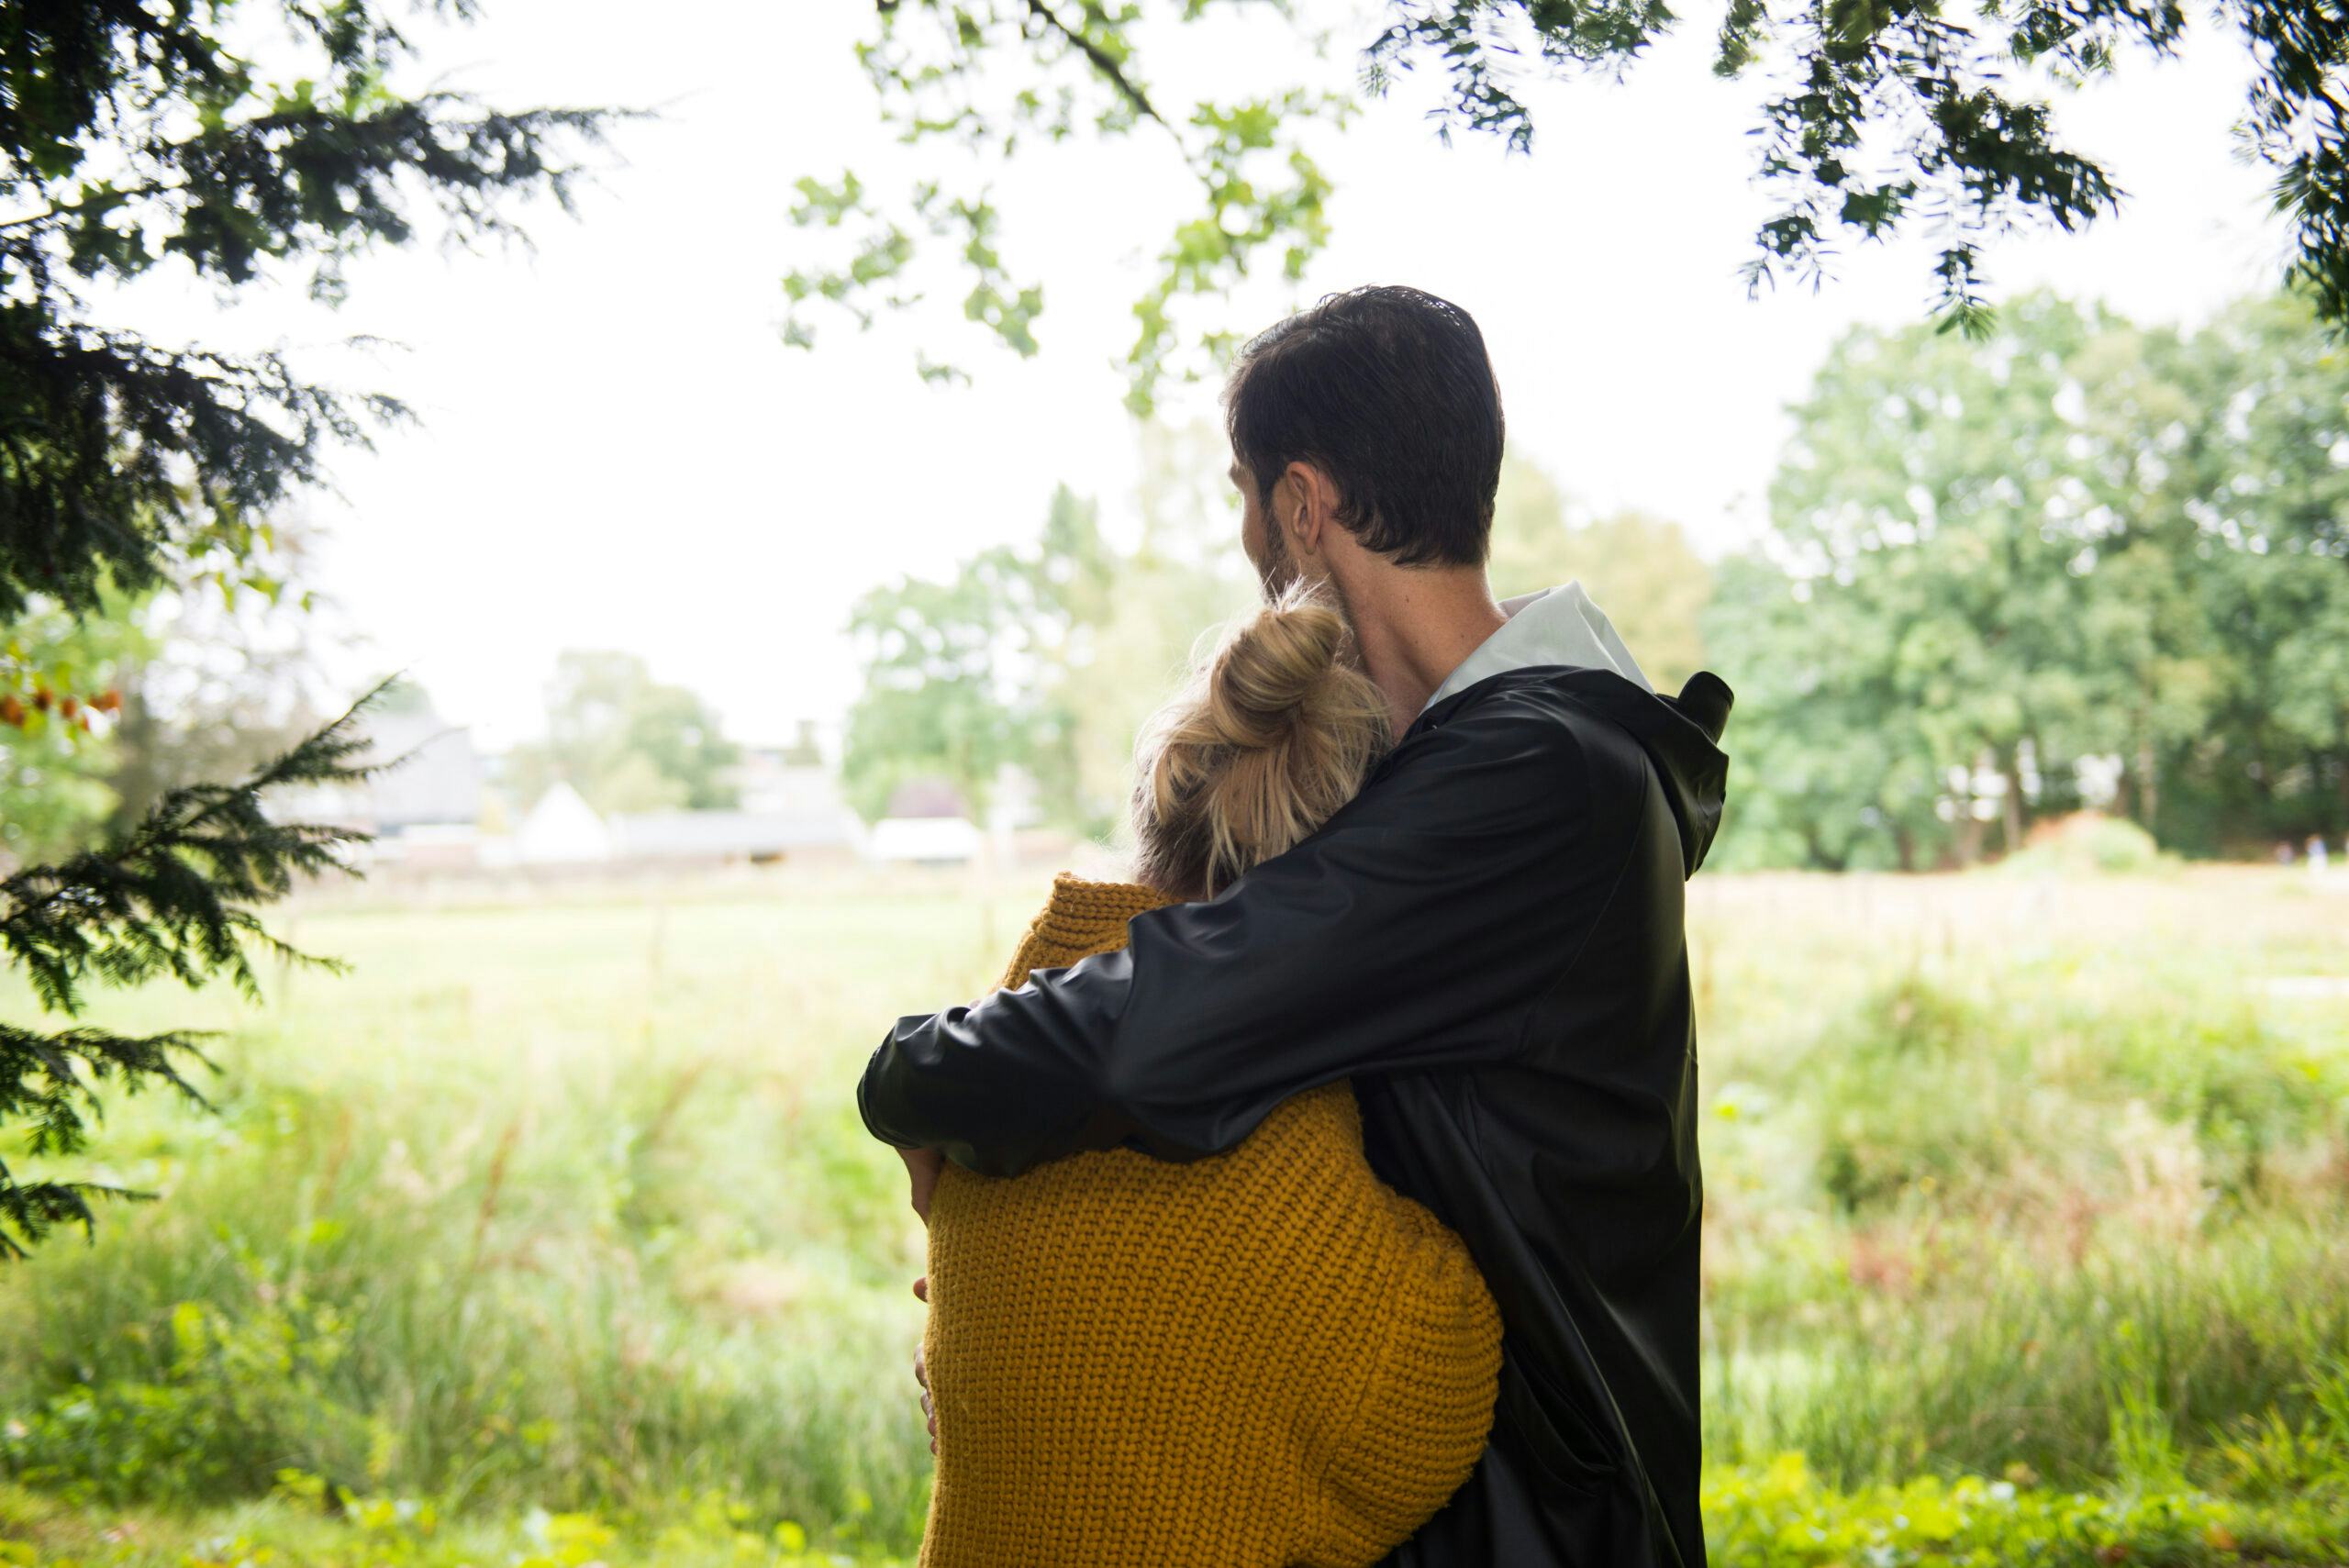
1415, 929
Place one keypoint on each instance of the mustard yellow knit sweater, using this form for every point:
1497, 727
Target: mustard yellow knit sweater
1265, 1359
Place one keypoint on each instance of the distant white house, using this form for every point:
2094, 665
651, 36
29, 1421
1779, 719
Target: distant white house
792, 811
927, 823
562, 829
925, 840
755, 836
429, 812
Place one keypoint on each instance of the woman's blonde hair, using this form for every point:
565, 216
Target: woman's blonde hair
1275, 731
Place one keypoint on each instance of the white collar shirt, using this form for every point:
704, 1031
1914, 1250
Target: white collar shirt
1554, 626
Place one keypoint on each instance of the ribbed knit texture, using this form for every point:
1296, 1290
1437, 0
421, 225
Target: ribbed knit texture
1265, 1359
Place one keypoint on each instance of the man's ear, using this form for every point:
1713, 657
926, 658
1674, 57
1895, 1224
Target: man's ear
1310, 507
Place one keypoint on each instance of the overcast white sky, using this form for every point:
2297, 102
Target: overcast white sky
618, 451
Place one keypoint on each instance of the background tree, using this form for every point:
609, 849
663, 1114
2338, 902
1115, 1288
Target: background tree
1991, 567
1182, 579
1875, 119
2260, 528
225, 678
959, 679
1641, 568
134, 137
179, 686
1046, 658
627, 742
1825, 776
60, 751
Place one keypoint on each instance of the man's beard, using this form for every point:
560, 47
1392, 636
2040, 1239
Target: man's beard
1279, 569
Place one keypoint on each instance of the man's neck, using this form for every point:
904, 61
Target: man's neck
1415, 627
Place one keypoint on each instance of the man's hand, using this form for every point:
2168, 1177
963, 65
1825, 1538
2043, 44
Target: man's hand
923, 1165
922, 1373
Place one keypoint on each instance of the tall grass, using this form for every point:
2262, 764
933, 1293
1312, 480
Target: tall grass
2043, 1153
566, 1203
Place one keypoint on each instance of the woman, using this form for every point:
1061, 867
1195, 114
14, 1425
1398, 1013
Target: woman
1263, 1358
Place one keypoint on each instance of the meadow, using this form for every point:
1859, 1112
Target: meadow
548, 1235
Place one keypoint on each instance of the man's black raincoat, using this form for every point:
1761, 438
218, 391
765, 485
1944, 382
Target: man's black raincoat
1488, 941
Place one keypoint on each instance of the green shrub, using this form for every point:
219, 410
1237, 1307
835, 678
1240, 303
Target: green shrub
2089, 843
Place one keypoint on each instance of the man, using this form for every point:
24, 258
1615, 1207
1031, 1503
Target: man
1488, 941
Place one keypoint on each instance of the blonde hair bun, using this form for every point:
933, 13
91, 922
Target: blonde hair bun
1270, 669
1277, 729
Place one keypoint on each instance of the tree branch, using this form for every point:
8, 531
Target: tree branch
1108, 68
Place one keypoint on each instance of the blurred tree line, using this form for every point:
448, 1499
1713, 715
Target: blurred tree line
2079, 562
2082, 563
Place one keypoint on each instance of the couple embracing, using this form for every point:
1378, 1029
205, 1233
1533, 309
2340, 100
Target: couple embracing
1329, 1192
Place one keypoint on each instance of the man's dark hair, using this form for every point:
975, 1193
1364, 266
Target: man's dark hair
1389, 391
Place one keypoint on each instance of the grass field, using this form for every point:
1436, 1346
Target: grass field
548, 1233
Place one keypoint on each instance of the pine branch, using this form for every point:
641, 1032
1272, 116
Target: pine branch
30, 1211
173, 895
49, 1082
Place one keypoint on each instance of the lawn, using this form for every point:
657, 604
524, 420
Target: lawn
548, 1233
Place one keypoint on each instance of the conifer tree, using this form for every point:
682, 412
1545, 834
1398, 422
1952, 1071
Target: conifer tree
247, 141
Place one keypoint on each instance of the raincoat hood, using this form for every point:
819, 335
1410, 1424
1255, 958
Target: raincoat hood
1682, 736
